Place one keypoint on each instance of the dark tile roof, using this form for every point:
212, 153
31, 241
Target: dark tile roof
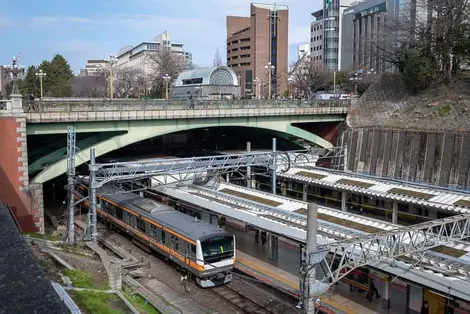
24, 287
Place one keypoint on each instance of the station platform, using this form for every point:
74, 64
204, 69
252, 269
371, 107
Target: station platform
252, 259
289, 283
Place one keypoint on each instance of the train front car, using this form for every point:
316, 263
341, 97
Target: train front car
216, 253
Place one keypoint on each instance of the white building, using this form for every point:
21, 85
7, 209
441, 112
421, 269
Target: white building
303, 49
94, 67
138, 56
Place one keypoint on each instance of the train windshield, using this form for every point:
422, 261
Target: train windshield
217, 248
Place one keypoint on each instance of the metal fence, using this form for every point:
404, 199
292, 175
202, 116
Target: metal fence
93, 105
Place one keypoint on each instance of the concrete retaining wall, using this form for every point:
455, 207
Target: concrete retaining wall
429, 157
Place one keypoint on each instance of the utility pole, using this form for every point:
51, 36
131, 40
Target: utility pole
307, 272
93, 205
112, 62
248, 169
71, 148
270, 68
274, 174
334, 82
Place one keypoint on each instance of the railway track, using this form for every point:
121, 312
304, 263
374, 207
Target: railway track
244, 304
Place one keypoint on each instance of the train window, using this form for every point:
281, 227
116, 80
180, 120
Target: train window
176, 244
163, 237
172, 241
153, 232
133, 220
112, 209
193, 249
119, 213
141, 224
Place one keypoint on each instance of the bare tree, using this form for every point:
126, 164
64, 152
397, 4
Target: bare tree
307, 77
217, 59
165, 62
130, 82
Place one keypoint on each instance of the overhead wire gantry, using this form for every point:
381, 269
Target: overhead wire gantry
104, 173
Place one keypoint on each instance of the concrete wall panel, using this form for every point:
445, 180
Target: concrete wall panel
429, 157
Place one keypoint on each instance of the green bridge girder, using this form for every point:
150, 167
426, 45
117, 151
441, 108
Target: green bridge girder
60, 153
141, 130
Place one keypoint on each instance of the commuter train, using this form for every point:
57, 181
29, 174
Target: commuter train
204, 250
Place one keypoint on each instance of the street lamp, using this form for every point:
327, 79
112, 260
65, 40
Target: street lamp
112, 62
41, 74
14, 69
270, 69
257, 81
166, 78
355, 78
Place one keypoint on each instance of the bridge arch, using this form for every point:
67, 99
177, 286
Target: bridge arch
144, 130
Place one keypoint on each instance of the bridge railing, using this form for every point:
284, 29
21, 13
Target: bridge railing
4, 104
93, 105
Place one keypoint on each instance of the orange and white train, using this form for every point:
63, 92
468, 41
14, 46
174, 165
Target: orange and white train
205, 250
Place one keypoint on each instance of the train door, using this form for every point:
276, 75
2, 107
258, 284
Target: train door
415, 298
436, 301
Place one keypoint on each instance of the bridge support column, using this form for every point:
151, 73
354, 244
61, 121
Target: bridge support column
394, 212
304, 192
273, 243
14, 181
37, 205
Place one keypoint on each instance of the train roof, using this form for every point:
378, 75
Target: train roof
162, 214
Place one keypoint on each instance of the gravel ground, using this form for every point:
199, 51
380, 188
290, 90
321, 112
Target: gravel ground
276, 303
165, 273
441, 108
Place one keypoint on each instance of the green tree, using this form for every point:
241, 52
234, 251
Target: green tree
419, 69
30, 83
58, 77
341, 78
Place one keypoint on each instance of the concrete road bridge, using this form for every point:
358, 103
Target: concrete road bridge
108, 125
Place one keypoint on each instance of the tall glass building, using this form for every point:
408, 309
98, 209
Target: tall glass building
332, 12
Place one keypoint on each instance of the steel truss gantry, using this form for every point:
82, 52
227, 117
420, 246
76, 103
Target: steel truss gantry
338, 259
101, 174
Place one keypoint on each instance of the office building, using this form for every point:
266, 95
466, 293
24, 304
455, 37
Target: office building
369, 32
364, 37
332, 32
316, 38
254, 42
94, 67
139, 56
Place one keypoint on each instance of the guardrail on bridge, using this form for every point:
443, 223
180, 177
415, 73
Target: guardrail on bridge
93, 105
